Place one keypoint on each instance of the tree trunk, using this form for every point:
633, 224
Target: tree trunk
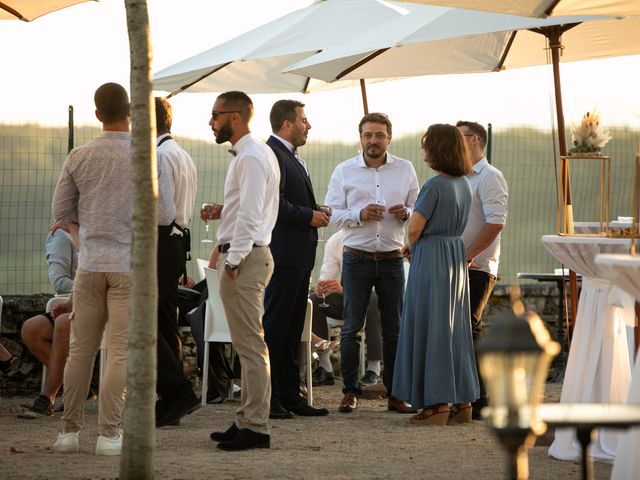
137, 460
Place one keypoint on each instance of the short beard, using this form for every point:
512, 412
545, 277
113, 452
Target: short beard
382, 153
224, 134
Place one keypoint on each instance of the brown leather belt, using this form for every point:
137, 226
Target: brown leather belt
374, 255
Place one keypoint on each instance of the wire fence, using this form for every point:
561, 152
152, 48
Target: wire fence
31, 157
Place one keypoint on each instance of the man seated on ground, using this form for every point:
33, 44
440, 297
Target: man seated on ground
329, 289
47, 335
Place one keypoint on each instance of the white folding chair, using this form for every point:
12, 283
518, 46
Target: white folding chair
202, 264
216, 328
305, 339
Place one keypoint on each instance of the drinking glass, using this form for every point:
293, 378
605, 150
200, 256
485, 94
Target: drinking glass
324, 304
207, 207
326, 211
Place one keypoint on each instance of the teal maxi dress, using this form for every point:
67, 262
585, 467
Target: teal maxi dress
435, 361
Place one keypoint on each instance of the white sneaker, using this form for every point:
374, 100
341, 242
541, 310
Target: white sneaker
109, 446
67, 443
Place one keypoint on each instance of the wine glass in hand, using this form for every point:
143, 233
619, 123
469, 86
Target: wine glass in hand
207, 209
327, 211
322, 294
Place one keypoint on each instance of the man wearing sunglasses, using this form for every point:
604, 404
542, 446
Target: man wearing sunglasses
245, 264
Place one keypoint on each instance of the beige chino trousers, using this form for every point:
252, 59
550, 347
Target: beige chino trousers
243, 300
99, 299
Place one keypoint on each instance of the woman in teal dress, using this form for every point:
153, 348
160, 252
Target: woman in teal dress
435, 365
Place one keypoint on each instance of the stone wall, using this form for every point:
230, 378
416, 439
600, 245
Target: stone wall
26, 378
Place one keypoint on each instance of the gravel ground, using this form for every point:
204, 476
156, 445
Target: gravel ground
370, 443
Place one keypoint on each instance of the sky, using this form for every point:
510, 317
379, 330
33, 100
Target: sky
61, 58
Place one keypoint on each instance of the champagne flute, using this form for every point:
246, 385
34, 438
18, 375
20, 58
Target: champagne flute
323, 297
324, 304
327, 211
206, 207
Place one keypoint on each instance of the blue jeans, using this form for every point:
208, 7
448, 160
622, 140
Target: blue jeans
359, 276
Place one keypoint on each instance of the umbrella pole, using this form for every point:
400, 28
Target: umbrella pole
363, 90
554, 35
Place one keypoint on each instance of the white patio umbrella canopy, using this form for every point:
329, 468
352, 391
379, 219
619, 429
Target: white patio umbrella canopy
543, 8
440, 40
253, 62
28, 10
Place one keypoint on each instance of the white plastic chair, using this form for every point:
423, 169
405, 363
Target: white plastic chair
202, 264
216, 328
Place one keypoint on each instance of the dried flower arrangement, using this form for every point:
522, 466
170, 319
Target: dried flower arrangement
589, 136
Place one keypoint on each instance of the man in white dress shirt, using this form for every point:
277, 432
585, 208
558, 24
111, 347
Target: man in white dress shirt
482, 234
251, 199
372, 195
177, 183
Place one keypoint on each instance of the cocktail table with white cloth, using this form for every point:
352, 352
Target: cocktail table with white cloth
598, 368
624, 271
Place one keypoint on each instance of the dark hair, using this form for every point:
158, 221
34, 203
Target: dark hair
164, 115
283, 110
475, 128
240, 101
446, 150
375, 118
112, 101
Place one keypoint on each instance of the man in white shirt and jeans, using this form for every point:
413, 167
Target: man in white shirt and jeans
482, 234
372, 195
245, 264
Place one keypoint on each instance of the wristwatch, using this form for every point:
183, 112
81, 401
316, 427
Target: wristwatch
406, 215
230, 267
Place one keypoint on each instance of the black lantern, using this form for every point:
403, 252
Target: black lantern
514, 357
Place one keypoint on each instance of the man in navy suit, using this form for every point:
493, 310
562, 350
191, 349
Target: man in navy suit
293, 246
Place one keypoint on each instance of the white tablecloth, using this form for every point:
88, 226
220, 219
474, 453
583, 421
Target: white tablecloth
598, 368
624, 271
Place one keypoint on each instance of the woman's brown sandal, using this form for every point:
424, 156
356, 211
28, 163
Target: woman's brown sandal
460, 413
432, 415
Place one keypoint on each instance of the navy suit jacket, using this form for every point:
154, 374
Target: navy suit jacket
293, 240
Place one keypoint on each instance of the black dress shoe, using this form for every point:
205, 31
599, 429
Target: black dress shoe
162, 408
246, 439
278, 412
322, 377
230, 434
303, 409
178, 409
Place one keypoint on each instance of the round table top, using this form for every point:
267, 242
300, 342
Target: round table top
611, 415
623, 270
578, 252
